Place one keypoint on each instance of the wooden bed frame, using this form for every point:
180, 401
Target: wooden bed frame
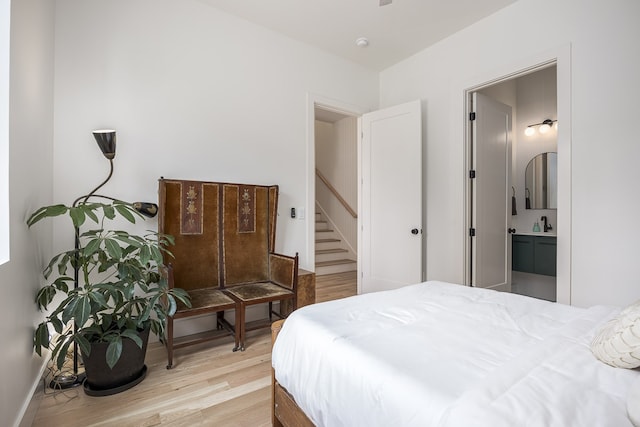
285, 412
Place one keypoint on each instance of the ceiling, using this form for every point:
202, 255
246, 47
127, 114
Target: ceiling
395, 31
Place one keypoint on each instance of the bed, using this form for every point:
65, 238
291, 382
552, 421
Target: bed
440, 354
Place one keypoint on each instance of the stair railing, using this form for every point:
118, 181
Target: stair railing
336, 194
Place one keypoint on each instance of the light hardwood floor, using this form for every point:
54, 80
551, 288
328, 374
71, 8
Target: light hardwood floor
208, 386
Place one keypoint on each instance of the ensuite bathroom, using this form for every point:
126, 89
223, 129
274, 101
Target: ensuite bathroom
534, 172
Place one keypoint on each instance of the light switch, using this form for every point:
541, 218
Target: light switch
300, 213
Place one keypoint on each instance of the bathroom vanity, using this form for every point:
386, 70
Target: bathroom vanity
534, 253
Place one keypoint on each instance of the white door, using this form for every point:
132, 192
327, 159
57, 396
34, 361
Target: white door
390, 252
491, 194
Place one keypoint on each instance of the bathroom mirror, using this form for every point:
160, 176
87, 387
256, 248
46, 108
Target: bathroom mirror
541, 182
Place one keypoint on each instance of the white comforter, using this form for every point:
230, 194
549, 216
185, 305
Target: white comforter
448, 355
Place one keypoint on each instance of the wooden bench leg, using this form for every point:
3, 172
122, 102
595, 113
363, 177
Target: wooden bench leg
240, 327
169, 342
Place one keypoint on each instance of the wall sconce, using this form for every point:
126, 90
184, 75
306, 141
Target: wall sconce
543, 127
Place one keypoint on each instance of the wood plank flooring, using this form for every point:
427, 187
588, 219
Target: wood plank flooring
208, 386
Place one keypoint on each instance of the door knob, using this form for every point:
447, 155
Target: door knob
414, 231
511, 230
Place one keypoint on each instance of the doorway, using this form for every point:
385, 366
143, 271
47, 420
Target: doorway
532, 93
336, 192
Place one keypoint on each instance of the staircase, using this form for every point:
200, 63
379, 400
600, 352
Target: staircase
331, 254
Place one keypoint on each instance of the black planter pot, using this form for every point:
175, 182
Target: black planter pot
126, 373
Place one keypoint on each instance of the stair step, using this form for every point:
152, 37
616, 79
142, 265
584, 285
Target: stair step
330, 254
330, 251
335, 262
337, 266
322, 225
322, 244
327, 240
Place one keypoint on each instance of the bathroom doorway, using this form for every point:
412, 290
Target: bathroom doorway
532, 227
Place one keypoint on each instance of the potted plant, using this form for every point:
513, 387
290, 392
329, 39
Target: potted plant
113, 293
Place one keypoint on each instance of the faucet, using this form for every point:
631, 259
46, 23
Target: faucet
547, 227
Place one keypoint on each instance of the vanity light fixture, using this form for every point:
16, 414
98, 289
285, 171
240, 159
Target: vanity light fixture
543, 127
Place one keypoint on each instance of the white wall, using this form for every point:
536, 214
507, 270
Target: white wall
605, 63
30, 147
193, 93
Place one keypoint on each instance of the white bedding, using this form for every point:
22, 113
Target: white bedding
448, 355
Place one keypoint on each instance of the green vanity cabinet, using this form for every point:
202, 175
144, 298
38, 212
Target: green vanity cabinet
534, 254
522, 249
544, 254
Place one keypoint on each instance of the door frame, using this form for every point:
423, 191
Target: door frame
561, 57
313, 101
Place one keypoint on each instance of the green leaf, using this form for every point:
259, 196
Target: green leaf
126, 213
46, 212
182, 296
146, 313
91, 214
98, 298
107, 319
49, 268
82, 311
113, 248
145, 255
126, 239
62, 283
63, 263
57, 324
156, 254
61, 352
45, 296
108, 287
169, 239
41, 338
77, 216
132, 335
84, 344
171, 310
113, 352
69, 308
109, 212
91, 247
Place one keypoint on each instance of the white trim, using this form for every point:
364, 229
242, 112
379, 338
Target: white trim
561, 56
313, 101
5, 48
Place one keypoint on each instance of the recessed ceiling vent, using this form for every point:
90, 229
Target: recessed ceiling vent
385, 2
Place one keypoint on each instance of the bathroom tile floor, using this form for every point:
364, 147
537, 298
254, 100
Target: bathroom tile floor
534, 285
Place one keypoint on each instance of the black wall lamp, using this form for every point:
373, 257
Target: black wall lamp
543, 127
106, 139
